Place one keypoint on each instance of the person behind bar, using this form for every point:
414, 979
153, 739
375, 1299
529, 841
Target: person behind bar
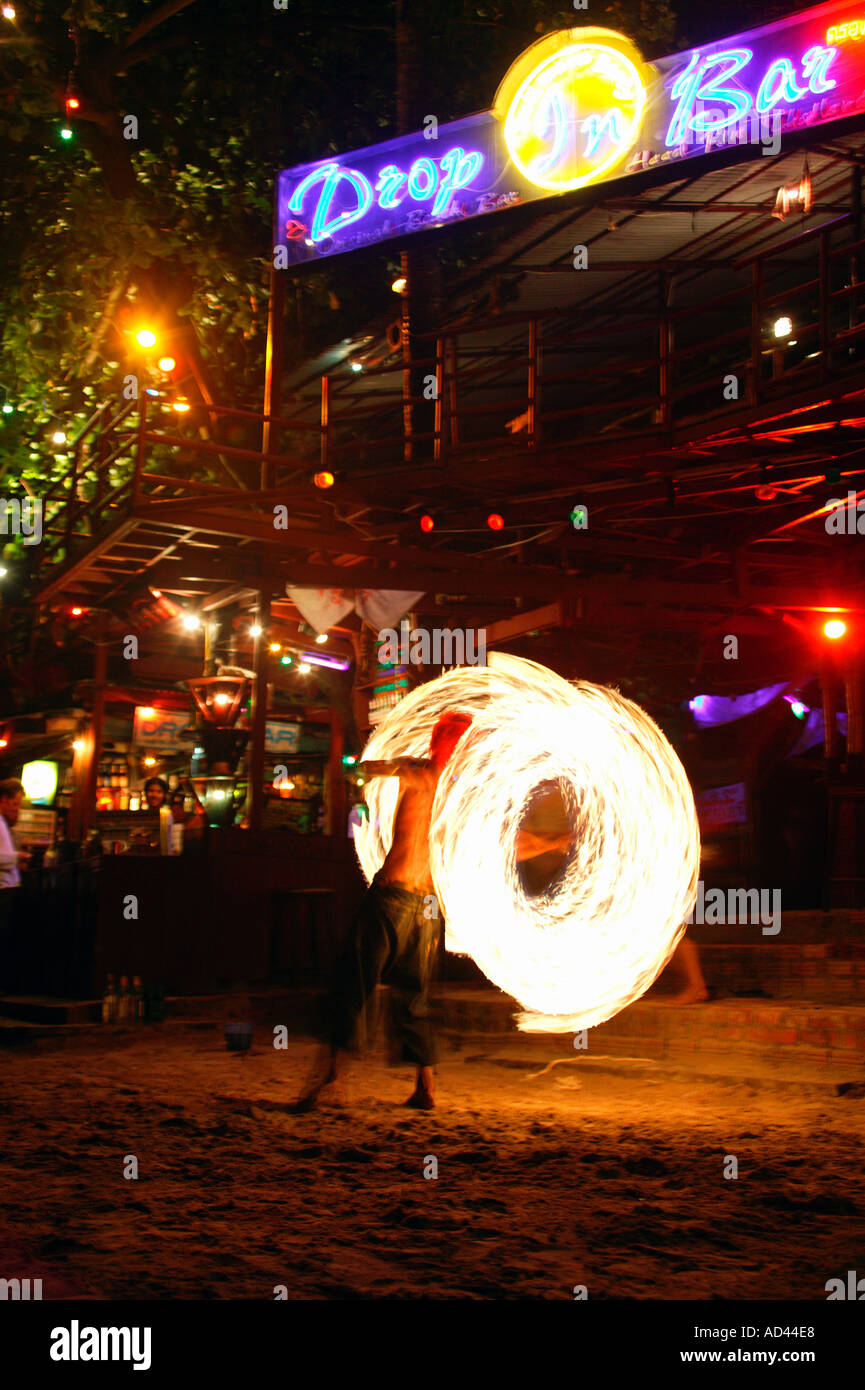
155, 794
394, 935
11, 793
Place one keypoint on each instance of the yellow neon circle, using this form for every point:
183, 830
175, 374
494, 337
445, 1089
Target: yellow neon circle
572, 105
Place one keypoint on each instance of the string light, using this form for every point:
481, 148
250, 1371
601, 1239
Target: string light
495, 522
835, 628
58, 437
304, 668
181, 405
191, 622
426, 523
146, 338
167, 364
321, 638
256, 630
323, 480
65, 133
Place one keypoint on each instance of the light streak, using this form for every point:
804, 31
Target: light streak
596, 938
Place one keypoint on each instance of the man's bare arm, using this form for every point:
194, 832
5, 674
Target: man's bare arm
530, 845
411, 771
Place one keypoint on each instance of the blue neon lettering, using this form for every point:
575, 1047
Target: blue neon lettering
459, 169
553, 114
330, 176
389, 180
815, 65
780, 77
597, 125
690, 86
429, 171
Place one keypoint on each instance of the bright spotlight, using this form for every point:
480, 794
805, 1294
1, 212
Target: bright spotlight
146, 338
834, 628
783, 327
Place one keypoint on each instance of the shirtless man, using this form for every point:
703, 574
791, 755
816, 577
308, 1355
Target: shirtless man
395, 932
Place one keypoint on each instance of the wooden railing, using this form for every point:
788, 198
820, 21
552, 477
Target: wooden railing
498, 387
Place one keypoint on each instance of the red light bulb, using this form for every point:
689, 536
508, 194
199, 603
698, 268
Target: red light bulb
426, 523
495, 522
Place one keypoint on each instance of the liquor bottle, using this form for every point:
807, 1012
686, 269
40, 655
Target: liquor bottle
137, 999
124, 1001
109, 1002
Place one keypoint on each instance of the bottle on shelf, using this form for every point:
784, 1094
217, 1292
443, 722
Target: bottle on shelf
137, 999
123, 1002
109, 1002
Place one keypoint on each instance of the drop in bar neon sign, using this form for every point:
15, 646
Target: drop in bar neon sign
578, 108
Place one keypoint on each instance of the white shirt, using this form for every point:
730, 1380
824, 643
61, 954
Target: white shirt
9, 875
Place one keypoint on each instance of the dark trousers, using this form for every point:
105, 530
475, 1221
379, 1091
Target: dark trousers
390, 941
8, 953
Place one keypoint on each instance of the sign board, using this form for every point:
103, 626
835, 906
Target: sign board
577, 108
281, 738
34, 826
160, 728
163, 729
722, 806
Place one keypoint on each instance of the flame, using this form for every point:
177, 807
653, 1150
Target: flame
601, 933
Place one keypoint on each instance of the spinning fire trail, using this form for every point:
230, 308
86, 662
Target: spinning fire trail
601, 933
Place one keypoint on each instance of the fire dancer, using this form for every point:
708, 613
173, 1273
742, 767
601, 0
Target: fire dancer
395, 932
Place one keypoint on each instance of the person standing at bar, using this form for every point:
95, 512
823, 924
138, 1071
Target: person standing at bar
11, 794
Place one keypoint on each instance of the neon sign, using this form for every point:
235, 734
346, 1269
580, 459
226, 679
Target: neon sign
575, 109
571, 106
332, 183
854, 29
699, 85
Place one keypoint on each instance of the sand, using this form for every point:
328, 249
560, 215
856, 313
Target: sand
614, 1182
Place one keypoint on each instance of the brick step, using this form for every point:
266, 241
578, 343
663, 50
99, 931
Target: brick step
812, 1030
830, 972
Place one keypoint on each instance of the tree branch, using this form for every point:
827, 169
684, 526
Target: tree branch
158, 17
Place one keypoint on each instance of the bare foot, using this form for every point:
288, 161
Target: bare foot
694, 994
421, 1099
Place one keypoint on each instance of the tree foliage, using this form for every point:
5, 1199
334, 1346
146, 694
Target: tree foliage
101, 229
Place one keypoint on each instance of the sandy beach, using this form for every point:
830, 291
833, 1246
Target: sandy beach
614, 1182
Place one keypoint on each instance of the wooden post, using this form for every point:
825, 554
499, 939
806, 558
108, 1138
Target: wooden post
665, 366
139, 453
532, 430
825, 291
830, 723
756, 383
259, 713
270, 440
93, 744
439, 405
325, 421
335, 823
